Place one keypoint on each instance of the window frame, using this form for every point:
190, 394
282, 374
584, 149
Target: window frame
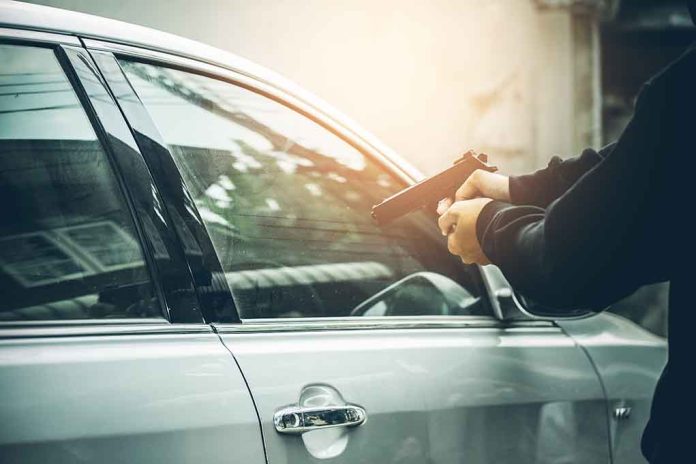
305, 109
123, 159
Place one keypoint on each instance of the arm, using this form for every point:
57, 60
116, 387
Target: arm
539, 188
546, 185
599, 240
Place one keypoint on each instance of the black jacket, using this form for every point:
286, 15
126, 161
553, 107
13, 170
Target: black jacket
590, 230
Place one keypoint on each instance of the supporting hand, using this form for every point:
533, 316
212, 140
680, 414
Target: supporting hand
458, 223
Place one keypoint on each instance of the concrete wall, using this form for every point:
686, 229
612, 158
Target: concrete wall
431, 78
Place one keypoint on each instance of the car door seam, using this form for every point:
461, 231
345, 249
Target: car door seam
610, 441
251, 394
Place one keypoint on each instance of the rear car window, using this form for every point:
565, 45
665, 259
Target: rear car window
287, 205
68, 247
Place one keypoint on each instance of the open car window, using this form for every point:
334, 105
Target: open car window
287, 204
68, 247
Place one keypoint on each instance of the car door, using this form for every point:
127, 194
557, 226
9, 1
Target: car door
104, 355
358, 343
630, 361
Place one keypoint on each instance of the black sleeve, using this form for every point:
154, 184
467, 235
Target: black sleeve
546, 185
596, 243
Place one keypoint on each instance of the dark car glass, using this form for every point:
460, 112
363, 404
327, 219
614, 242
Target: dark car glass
67, 244
287, 206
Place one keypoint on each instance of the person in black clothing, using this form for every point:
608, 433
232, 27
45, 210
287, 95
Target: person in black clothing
587, 231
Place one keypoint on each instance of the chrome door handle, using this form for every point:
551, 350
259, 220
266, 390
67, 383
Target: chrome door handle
298, 419
622, 412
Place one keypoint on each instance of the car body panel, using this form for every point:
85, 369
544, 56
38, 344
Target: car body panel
629, 361
158, 397
473, 395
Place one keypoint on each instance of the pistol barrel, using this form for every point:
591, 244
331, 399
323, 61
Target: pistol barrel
430, 190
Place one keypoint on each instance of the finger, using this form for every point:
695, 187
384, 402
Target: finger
443, 205
452, 245
447, 221
474, 257
469, 189
455, 247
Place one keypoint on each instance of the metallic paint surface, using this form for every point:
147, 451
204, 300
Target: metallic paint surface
629, 361
435, 395
115, 399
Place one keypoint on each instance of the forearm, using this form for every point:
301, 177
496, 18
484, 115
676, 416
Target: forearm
546, 185
546, 267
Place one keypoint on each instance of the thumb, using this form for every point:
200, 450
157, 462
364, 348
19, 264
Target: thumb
469, 189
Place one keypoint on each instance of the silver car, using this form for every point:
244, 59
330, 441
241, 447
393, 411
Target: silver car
189, 273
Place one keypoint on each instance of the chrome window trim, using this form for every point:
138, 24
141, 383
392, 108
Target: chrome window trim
249, 81
93, 328
25, 35
377, 323
82, 322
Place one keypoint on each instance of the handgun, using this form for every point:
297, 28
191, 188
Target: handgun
430, 190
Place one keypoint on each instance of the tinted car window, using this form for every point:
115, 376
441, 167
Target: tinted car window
68, 249
287, 204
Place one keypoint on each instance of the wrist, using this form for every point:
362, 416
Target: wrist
501, 188
485, 218
505, 191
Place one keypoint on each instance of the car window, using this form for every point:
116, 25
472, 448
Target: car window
287, 205
68, 249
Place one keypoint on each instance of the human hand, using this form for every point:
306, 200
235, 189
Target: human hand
480, 184
458, 223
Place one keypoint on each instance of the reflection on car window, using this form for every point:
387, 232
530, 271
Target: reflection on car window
287, 205
67, 245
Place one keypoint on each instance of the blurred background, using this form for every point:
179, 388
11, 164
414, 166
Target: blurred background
519, 79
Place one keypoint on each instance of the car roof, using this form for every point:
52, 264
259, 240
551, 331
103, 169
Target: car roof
22, 15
